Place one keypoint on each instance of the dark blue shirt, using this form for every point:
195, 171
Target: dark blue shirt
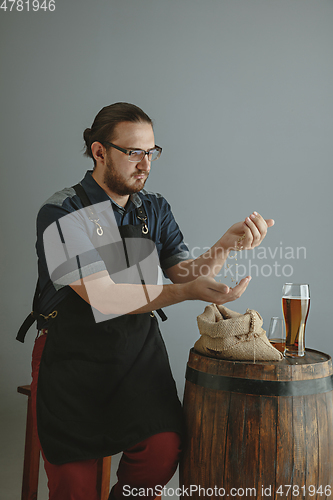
64, 231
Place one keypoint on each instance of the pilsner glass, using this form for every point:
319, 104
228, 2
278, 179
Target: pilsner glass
295, 306
276, 334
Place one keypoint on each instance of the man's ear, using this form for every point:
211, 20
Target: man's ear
98, 151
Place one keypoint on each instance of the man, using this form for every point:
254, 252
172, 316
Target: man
104, 380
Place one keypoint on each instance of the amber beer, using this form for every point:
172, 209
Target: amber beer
295, 311
279, 344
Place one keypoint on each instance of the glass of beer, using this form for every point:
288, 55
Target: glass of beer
295, 306
276, 334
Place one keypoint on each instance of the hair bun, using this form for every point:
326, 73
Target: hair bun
86, 135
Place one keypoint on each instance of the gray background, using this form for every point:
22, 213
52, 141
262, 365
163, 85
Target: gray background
241, 95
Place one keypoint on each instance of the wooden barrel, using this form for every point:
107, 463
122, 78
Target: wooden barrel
258, 430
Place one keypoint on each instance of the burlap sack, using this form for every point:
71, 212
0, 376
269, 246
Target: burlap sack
227, 334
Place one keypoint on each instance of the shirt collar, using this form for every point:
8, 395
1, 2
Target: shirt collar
133, 202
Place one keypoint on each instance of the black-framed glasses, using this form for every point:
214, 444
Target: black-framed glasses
137, 155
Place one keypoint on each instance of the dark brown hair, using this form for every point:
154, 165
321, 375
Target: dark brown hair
106, 120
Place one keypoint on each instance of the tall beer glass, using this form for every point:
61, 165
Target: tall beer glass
295, 305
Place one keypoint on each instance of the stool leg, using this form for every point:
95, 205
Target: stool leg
31, 459
103, 477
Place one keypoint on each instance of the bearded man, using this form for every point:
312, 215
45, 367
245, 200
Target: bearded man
102, 382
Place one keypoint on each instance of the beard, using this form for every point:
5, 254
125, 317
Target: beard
117, 184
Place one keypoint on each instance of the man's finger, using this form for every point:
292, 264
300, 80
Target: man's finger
220, 288
244, 282
235, 293
241, 287
256, 234
270, 222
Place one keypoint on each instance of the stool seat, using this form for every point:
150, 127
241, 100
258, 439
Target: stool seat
32, 458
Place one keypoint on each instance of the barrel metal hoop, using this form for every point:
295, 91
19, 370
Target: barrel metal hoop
259, 387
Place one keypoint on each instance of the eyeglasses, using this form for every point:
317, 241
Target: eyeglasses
137, 155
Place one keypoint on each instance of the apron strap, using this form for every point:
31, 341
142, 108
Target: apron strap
141, 215
29, 320
89, 207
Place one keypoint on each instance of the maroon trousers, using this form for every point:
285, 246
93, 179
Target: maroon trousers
146, 465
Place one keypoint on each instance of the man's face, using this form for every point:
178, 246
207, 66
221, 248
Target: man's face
122, 176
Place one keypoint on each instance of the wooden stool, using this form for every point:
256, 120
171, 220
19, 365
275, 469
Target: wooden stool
32, 455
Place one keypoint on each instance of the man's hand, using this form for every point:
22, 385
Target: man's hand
207, 289
241, 236
110, 298
246, 235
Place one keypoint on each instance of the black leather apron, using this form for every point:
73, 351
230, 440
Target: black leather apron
103, 387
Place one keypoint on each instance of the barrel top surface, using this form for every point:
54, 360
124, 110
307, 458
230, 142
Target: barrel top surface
314, 364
